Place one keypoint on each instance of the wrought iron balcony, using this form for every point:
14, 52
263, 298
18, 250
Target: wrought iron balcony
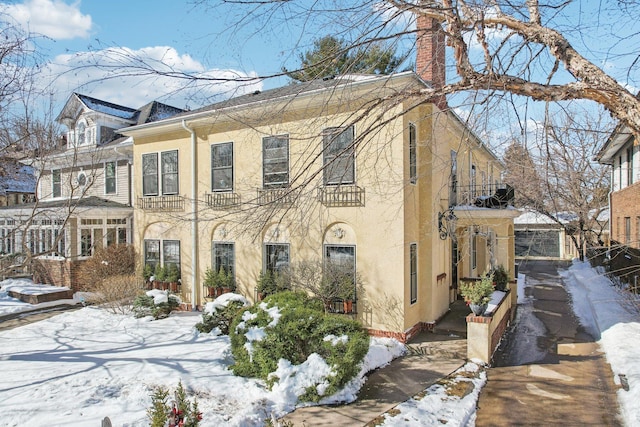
276, 196
222, 200
341, 195
174, 203
485, 196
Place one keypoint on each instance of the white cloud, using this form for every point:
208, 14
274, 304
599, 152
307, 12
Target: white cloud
125, 76
51, 18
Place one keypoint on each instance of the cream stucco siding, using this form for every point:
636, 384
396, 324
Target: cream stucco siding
391, 214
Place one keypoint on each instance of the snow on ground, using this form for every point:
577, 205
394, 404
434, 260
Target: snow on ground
10, 305
611, 315
78, 367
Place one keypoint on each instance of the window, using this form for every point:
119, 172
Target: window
342, 258
627, 230
637, 242
453, 185
276, 257
473, 181
170, 172
222, 167
117, 232
56, 179
413, 165
620, 171
474, 249
629, 165
171, 253
338, 156
86, 242
110, 178
223, 257
152, 253
80, 133
413, 272
150, 174
275, 161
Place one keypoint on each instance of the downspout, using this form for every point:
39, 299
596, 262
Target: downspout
194, 218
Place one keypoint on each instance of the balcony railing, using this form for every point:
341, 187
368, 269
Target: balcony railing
172, 203
222, 200
341, 195
275, 196
486, 196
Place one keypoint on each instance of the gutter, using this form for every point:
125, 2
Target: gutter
194, 218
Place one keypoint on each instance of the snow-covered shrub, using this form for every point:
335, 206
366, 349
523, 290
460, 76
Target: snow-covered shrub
220, 313
156, 303
288, 327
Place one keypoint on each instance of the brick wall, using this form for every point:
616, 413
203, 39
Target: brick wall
57, 272
625, 203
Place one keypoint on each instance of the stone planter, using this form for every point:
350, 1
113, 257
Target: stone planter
478, 309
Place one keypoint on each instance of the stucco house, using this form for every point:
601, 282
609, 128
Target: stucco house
339, 170
84, 195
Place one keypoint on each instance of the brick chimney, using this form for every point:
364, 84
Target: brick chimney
430, 57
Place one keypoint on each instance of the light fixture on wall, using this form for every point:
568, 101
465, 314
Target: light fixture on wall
446, 224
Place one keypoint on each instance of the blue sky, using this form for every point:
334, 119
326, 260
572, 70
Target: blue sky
197, 40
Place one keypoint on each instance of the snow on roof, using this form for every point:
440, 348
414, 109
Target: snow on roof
17, 178
105, 107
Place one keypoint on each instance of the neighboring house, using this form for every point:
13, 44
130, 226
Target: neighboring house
17, 183
326, 171
620, 152
84, 198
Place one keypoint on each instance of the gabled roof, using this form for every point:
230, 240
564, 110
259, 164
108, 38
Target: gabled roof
150, 112
618, 138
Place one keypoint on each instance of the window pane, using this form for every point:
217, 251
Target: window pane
110, 177
275, 161
413, 171
341, 259
151, 252
56, 179
150, 174
413, 266
86, 242
222, 167
171, 252
338, 156
170, 172
276, 257
223, 257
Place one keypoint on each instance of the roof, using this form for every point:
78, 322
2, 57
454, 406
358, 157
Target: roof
618, 138
83, 202
16, 178
109, 108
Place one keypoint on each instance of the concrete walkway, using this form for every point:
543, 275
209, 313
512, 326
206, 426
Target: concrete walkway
432, 356
550, 372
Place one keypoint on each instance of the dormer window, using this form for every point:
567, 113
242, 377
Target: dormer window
80, 130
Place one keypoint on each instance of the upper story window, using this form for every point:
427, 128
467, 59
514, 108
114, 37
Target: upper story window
56, 181
110, 178
275, 161
167, 183
222, 167
630, 165
80, 133
169, 161
413, 155
338, 156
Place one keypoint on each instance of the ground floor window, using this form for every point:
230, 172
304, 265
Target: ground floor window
276, 257
413, 272
223, 257
340, 271
7, 241
162, 252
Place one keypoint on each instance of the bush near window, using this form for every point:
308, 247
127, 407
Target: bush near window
114, 260
220, 313
148, 305
298, 330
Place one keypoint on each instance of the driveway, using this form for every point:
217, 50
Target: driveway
548, 371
